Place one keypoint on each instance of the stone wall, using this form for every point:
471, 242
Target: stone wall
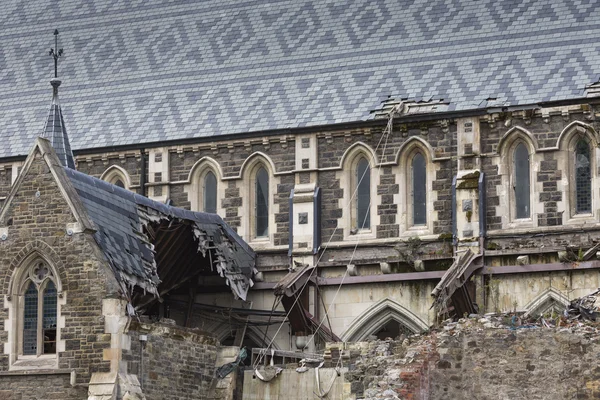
480, 359
174, 364
40, 386
517, 364
36, 225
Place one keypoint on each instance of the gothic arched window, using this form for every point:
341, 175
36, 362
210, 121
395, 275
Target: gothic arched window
261, 203
583, 178
209, 191
117, 176
39, 319
363, 194
419, 189
521, 182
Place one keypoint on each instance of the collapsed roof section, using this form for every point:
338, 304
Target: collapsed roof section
123, 218
452, 295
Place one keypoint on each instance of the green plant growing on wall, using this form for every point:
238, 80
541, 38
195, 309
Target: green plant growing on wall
409, 251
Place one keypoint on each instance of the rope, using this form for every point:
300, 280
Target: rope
372, 157
386, 133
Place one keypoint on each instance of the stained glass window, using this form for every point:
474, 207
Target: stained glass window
49, 319
261, 203
363, 194
583, 178
39, 311
30, 320
419, 187
209, 192
522, 181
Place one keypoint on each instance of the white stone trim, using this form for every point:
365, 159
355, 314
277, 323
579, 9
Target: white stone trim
404, 199
378, 315
194, 186
540, 304
13, 301
567, 141
347, 203
114, 173
247, 192
505, 162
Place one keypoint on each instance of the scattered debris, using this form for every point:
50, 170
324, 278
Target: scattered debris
228, 368
584, 307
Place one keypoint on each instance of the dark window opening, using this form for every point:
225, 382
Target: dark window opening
363, 194
209, 192
522, 181
261, 203
393, 329
49, 319
119, 183
30, 320
419, 188
583, 178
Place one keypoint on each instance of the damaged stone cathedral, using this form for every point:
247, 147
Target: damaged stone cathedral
275, 176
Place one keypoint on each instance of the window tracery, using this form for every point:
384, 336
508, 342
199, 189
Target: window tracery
39, 311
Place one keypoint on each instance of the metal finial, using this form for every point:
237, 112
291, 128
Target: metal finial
56, 53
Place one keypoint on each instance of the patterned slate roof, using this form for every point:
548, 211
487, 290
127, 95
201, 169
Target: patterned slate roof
154, 70
120, 215
56, 131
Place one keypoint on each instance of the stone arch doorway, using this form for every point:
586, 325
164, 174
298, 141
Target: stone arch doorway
384, 319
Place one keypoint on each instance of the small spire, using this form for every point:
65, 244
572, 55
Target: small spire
54, 129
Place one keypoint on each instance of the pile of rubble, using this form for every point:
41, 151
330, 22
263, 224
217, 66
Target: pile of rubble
389, 369
385, 371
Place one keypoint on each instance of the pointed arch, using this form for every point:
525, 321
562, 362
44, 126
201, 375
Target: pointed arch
577, 128
195, 188
514, 134
259, 183
115, 173
516, 166
255, 158
357, 175
223, 330
416, 172
414, 143
378, 315
199, 166
35, 297
545, 301
36, 249
357, 149
578, 143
